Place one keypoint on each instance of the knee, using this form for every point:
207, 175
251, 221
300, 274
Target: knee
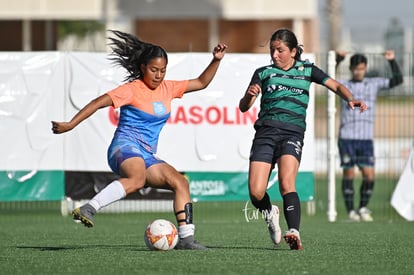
368, 179
286, 187
132, 185
256, 194
178, 182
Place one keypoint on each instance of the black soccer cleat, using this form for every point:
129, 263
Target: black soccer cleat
189, 243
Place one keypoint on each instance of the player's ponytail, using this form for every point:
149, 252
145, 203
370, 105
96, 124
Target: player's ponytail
130, 53
299, 51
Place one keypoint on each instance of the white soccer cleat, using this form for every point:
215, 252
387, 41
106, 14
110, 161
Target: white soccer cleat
292, 238
365, 214
272, 220
353, 216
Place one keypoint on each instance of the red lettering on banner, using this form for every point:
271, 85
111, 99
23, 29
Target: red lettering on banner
212, 115
250, 117
195, 115
226, 119
180, 116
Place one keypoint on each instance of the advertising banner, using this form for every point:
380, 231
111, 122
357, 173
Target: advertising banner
207, 137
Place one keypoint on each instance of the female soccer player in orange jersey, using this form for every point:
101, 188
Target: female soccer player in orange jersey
145, 104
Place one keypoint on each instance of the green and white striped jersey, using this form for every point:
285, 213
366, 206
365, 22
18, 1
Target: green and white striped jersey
285, 94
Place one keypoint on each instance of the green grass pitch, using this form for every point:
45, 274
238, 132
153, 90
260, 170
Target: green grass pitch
38, 240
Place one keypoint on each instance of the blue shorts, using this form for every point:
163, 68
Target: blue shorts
270, 143
122, 149
356, 152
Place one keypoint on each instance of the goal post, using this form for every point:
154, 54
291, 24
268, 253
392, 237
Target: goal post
332, 213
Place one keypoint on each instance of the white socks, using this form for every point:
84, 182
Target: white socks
186, 230
111, 193
115, 191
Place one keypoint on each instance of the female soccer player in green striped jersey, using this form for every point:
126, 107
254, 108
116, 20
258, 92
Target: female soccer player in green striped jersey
280, 127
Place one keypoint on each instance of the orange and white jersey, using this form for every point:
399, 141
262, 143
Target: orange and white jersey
144, 112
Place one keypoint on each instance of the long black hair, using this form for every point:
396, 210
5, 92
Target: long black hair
290, 40
130, 52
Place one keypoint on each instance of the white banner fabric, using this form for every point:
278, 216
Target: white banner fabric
403, 196
32, 92
206, 131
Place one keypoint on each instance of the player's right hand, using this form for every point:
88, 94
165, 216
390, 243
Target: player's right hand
60, 127
219, 51
358, 103
254, 90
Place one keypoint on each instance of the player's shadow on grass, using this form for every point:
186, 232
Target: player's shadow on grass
83, 247
248, 247
136, 248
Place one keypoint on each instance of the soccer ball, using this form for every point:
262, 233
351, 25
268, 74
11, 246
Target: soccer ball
161, 235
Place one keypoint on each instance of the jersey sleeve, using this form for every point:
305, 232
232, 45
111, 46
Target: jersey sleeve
256, 78
318, 76
122, 95
381, 82
177, 87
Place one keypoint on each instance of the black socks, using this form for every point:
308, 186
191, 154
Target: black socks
348, 193
291, 209
366, 191
264, 204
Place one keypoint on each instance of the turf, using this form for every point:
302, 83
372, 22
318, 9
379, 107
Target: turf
36, 239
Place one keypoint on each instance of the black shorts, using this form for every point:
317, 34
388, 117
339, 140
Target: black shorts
270, 143
356, 152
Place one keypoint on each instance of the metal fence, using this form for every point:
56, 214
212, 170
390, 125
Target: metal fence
394, 120
393, 132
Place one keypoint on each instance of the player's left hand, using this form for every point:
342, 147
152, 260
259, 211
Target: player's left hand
389, 55
358, 103
219, 51
340, 56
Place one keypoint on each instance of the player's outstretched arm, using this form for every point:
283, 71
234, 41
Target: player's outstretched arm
99, 102
396, 78
345, 94
208, 74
